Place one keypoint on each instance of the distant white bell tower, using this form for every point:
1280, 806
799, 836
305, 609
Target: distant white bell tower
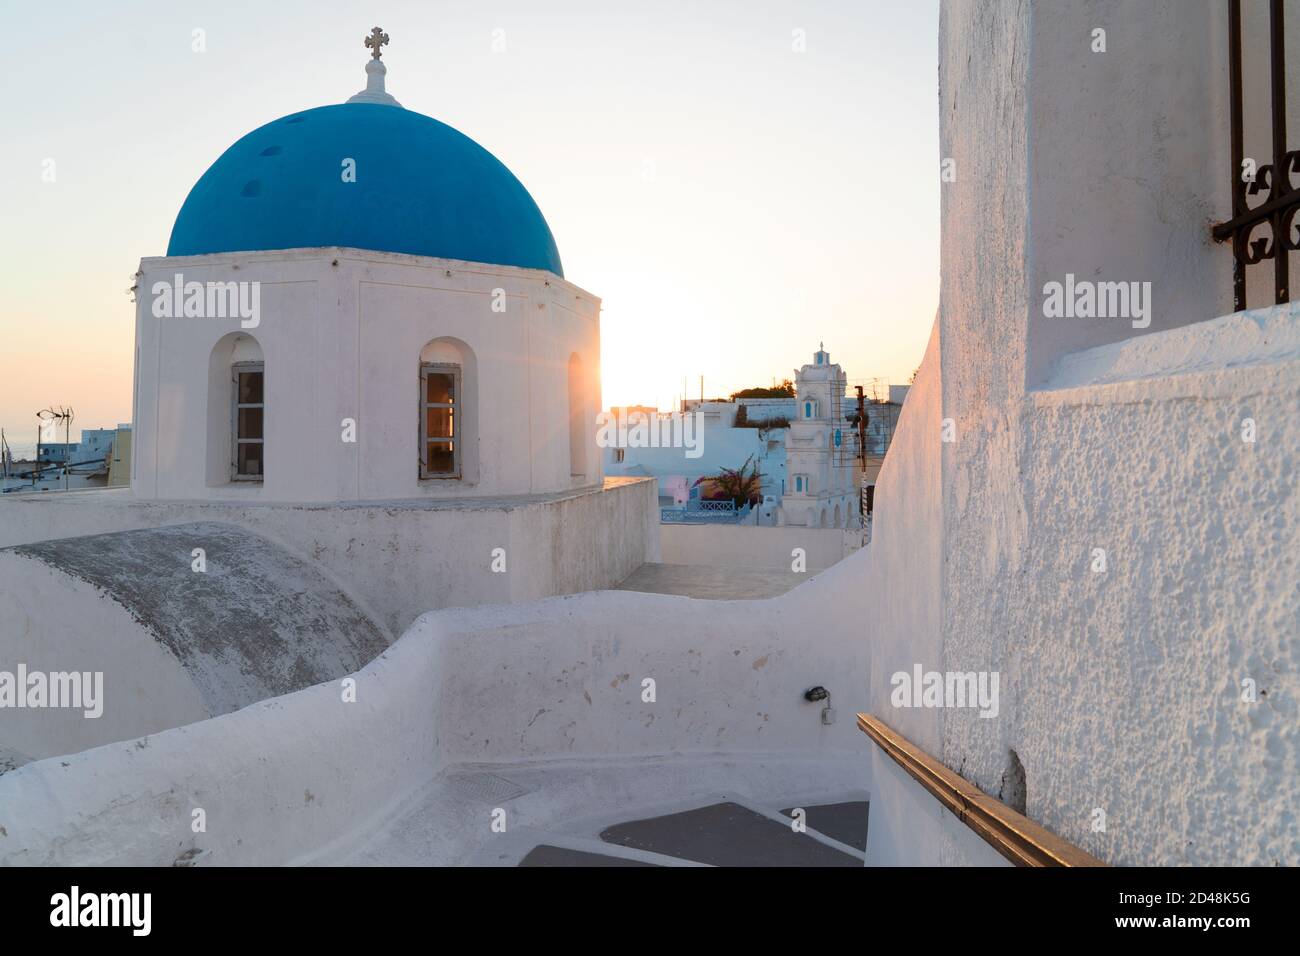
821, 450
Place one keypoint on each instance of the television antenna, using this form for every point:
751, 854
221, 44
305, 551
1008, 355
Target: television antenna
50, 419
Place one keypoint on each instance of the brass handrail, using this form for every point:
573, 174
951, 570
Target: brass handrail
1012, 834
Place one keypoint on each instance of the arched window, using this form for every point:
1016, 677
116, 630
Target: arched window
446, 411
237, 408
577, 419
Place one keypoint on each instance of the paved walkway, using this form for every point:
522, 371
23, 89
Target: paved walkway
728, 834
692, 810
710, 582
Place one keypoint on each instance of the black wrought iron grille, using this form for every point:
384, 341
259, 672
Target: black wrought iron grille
1273, 179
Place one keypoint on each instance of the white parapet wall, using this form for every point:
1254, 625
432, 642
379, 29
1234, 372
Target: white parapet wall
401, 558
563, 679
751, 546
274, 780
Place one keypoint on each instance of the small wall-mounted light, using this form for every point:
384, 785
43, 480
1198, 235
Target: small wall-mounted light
814, 694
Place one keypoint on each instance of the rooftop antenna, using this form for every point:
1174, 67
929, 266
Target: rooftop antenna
50, 418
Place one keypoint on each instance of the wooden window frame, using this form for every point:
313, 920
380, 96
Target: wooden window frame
457, 407
235, 405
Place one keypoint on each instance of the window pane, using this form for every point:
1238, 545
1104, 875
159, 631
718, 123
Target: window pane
250, 387
250, 458
440, 387
439, 423
250, 423
440, 458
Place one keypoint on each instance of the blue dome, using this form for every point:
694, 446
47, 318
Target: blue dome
421, 188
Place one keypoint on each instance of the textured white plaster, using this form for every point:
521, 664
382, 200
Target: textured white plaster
1120, 690
1267, 337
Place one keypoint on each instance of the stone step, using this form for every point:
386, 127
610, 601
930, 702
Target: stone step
729, 834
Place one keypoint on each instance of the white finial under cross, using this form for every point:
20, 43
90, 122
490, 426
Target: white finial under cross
375, 72
378, 38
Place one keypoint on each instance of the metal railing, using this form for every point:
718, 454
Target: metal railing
1012, 834
706, 512
1281, 201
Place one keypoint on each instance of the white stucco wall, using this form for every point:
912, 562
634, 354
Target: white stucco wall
1120, 690
576, 668
341, 332
905, 557
909, 827
1129, 682
1129, 155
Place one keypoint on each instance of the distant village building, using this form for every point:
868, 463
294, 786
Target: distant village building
718, 442
755, 430
94, 446
119, 465
821, 449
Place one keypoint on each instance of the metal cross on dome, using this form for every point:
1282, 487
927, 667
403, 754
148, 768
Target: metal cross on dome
377, 39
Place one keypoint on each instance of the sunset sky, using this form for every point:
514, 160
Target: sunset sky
732, 200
